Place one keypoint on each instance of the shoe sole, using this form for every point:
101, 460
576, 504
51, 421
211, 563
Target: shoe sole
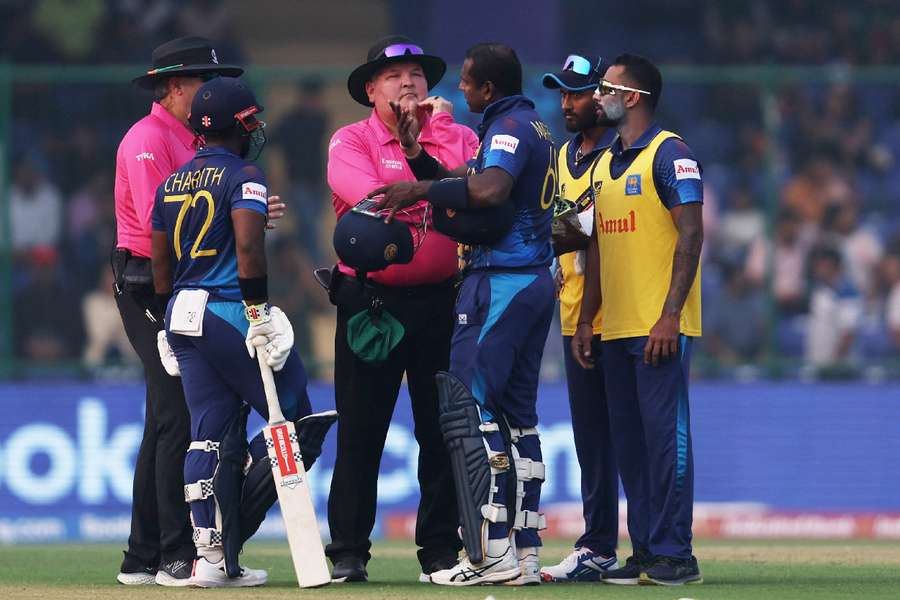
423, 578
622, 581
136, 579
520, 581
693, 580
206, 584
499, 577
166, 580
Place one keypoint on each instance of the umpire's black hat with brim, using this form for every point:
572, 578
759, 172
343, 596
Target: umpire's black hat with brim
189, 56
387, 51
578, 74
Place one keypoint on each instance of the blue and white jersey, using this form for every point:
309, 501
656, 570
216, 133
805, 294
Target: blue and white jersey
193, 205
514, 138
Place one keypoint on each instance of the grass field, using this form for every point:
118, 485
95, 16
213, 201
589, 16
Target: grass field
732, 570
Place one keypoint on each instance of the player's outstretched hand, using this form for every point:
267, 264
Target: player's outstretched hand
166, 356
271, 323
399, 195
581, 345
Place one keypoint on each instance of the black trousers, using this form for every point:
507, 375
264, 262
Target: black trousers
160, 522
365, 396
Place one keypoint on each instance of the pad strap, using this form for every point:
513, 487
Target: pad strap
527, 519
495, 513
200, 490
519, 432
205, 446
527, 469
207, 536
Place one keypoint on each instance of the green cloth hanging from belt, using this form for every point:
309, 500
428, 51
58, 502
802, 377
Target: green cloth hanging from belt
372, 335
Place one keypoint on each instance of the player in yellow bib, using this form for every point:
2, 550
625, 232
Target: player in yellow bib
649, 232
595, 549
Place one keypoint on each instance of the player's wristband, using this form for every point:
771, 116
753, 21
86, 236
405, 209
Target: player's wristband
257, 313
452, 193
424, 166
254, 290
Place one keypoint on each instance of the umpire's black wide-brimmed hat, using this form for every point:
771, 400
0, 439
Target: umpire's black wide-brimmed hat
393, 49
186, 56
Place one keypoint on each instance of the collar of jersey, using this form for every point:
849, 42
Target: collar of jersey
502, 107
181, 131
601, 145
642, 142
208, 150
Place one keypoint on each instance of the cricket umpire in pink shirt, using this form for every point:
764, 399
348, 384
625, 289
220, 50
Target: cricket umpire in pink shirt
363, 156
160, 546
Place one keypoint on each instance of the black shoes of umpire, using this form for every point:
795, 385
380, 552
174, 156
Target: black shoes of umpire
349, 569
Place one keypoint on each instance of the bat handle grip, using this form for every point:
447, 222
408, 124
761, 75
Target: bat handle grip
268, 379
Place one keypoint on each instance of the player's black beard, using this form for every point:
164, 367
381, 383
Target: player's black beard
581, 123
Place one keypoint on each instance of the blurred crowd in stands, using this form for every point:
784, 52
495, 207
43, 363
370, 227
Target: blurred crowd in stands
802, 253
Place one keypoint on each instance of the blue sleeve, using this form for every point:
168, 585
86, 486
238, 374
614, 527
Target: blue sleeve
507, 146
157, 219
249, 190
677, 174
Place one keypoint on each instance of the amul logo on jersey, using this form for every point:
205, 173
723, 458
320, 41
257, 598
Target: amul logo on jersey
627, 224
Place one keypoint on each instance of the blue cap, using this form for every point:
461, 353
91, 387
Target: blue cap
578, 74
363, 241
220, 103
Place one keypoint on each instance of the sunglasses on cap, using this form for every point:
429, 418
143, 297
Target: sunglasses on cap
609, 89
581, 65
400, 50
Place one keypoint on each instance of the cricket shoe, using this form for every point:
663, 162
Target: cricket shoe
176, 573
212, 575
583, 564
667, 570
500, 564
630, 574
529, 567
132, 572
439, 564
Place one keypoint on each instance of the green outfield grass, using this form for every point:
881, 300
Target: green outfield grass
732, 570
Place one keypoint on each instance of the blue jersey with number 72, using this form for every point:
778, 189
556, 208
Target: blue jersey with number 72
193, 206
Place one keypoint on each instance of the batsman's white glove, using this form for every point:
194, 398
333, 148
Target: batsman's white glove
166, 356
271, 323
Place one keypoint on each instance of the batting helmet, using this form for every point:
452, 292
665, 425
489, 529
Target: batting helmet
363, 241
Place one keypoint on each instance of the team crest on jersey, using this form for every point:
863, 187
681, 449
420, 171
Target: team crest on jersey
633, 185
390, 252
597, 186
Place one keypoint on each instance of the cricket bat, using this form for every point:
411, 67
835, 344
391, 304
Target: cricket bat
292, 486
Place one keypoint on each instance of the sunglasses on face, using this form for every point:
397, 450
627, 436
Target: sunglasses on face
400, 50
609, 89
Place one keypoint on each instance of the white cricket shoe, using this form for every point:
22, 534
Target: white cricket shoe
583, 564
212, 575
500, 564
529, 567
147, 577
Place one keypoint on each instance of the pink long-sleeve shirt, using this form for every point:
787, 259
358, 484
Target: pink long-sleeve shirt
151, 151
365, 155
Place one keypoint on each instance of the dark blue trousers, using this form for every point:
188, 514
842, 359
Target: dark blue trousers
218, 375
651, 433
593, 446
502, 323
